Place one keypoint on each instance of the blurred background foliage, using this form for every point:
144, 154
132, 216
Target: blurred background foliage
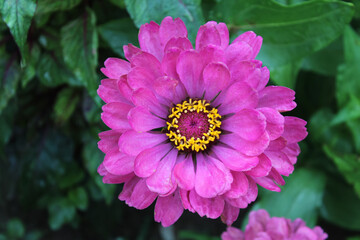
50, 55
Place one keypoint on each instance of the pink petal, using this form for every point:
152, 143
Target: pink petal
140, 77
166, 87
267, 183
210, 207
216, 77
249, 124
141, 120
237, 97
239, 186
108, 91
230, 214
168, 64
149, 62
238, 52
181, 43
254, 41
184, 173
292, 151
278, 228
260, 216
277, 144
115, 179
115, 67
239, 202
232, 234
170, 28
275, 175
146, 98
132, 142
118, 163
130, 51
212, 53
233, 159
295, 130
136, 194
189, 68
149, 39
280, 162
212, 177
262, 169
305, 233
185, 199
279, 98
168, 209
252, 193
102, 170
248, 148
148, 160
115, 115
274, 122
212, 34
124, 88
108, 140
161, 181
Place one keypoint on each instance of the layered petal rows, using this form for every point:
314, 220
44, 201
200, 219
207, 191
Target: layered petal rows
262, 227
195, 129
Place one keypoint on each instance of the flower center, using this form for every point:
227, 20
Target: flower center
193, 125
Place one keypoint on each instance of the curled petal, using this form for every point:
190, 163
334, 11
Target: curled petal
118, 163
170, 28
148, 160
210, 207
212, 177
254, 41
279, 98
274, 122
115, 68
108, 140
149, 39
161, 181
262, 169
184, 173
212, 34
249, 124
239, 186
115, 115
136, 194
295, 129
168, 209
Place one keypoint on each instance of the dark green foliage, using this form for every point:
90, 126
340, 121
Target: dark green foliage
51, 52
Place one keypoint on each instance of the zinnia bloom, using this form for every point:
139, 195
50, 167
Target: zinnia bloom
262, 227
195, 129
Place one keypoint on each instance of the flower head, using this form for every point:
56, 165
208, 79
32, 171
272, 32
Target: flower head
195, 129
261, 226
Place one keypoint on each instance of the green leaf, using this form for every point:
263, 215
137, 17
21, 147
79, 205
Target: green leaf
79, 198
118, 33
66, 102
79, 43
289, 32
46, 6
52, 71
327, 60
17, 14
301, 197
10, 76
15, 228
144, 11
61, 211
119, 3
350, 111
348, 165
286, 75
353, 238
347, 79
341, 205
29, 71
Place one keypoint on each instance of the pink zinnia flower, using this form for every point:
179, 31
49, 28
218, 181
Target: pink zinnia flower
262, 227
195, 129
